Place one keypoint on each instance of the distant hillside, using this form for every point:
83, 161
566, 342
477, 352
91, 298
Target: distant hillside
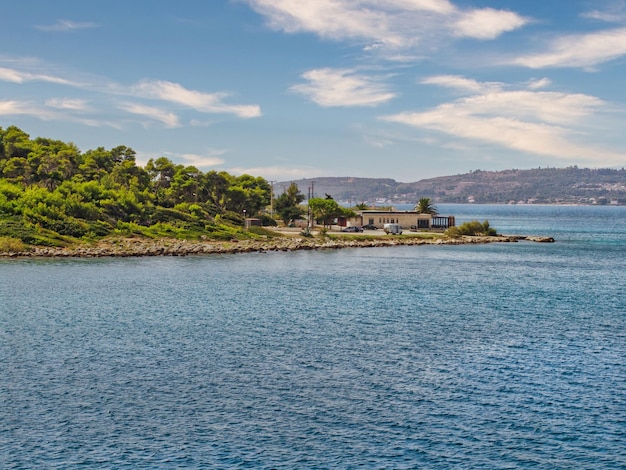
539, 186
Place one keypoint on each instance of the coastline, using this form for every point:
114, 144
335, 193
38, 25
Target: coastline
140, 247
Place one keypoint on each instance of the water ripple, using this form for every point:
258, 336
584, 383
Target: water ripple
442, 357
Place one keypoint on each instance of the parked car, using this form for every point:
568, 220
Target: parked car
369, 227
352, 229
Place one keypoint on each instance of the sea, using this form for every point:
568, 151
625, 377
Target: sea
498, 356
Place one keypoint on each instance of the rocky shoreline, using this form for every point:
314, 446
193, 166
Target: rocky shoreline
139, 247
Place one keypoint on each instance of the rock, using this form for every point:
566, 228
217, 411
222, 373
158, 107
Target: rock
541, 239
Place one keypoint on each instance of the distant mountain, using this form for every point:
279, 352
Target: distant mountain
570, 185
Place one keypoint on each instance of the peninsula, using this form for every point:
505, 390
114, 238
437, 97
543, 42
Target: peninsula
127, 247
56, 200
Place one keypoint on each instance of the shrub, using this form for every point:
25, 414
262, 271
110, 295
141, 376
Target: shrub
267, 221
164, 214
471, 229
131, 228
263, 232
11, 245
221, 231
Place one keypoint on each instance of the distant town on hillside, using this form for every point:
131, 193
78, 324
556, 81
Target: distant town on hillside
571, 185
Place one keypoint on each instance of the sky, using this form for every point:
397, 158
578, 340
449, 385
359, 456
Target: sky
290, 89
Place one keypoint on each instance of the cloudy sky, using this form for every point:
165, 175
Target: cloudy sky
286, 89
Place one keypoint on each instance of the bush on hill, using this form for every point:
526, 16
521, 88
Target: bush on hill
52, 193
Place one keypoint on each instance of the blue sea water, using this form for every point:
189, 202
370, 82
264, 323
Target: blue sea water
508, 355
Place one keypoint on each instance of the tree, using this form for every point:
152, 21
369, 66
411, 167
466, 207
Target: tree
50, 185
185, 183
52, 170
425, 206
213, 188
161, 172
121, 153
15, 143
324, 209
248, 193
287, 204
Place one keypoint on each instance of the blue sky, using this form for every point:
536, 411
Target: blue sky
289, 89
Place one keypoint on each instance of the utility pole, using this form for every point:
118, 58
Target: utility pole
308, 210
272, 198
311, 194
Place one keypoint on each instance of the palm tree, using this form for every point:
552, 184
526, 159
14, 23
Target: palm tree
425, 206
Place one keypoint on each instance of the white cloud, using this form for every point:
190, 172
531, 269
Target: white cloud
104, 92
29, 108
200, 101
203, 161
327, 18
342, 87
278, 173
614, 12
541, 83
391, 24
211, 158
460, 83
198, 123
66, 26
12, 108
488, 23
443, 7
17, 76
579, 50
541, 123
68, 103
169, 119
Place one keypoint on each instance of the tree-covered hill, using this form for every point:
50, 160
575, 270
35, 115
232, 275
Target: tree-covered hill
570, 185
51, 193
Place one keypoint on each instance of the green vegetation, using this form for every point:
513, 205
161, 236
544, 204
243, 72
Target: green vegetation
11, 245
472, 228
325, 210
287, 205
425, 206
52, 194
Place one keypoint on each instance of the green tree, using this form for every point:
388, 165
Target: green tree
15, 143
425, 206
185, 183
161, 172
287, 204
130, 176
324, 210
213, 189
121, 153
248, 193
17, 170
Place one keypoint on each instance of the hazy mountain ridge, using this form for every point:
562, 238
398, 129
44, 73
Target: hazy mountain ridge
571, 185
